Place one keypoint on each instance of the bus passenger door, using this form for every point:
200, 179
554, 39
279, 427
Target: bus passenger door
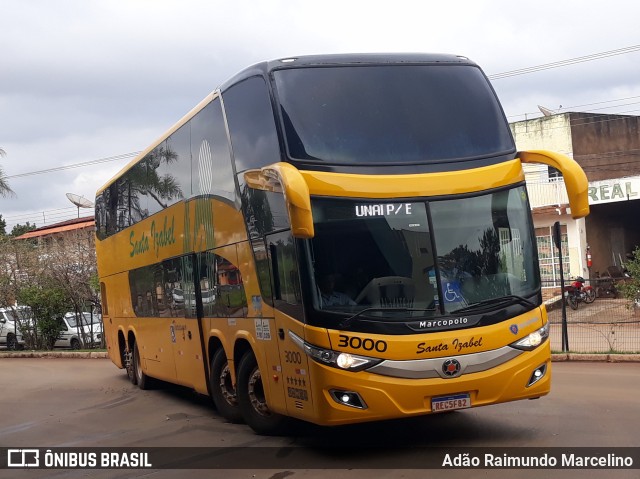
182, 307
288, 317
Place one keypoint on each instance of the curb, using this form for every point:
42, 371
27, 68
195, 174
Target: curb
602, 358
56, 354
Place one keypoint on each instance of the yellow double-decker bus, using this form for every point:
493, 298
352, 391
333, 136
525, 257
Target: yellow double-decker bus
337, 239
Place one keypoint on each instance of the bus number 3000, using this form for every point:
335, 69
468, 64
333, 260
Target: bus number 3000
367, 344
293, 357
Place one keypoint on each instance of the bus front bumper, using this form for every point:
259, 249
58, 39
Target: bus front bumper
346, 397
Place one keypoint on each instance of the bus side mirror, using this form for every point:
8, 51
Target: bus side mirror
285, 178
574, 178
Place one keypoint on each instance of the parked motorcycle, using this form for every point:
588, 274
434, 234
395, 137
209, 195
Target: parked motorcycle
577, 292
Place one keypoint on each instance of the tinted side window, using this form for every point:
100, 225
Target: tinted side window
162, 188
211, 164
136, 179
252, 128
221, 286
101, 215
285, 267
264, 211
111, 206
146, 290
123, 211
179, 156
164, 289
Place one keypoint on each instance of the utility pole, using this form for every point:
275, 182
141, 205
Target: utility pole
557, 239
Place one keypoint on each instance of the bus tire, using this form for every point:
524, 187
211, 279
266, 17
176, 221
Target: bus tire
144, 381
223, 392
252, 401
129, 367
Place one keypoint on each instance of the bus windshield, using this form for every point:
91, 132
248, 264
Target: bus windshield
422, 258
390, 114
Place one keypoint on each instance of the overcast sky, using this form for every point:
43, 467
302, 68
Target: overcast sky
83, 80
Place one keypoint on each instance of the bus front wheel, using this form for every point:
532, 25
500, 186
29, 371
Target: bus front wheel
223, 392
252, 400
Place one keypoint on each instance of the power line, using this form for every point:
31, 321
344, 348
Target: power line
563, 63
54, 213
586, 120
568, 108
76, 165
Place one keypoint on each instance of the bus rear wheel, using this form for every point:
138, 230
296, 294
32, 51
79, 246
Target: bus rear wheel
223, 392
144, 381
127, 359
252, 400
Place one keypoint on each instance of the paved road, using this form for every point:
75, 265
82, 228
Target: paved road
82, 403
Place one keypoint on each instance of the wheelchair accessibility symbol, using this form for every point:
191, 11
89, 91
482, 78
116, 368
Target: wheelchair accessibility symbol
452, 293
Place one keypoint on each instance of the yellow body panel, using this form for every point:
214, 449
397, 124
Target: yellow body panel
308, 382
388, 398
407, 186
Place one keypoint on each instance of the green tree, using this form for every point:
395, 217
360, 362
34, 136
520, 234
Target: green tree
19, 230
3, 226
630, 288
5, 189
48, 302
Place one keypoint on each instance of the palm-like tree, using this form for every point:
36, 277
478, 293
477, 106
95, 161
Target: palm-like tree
5, 190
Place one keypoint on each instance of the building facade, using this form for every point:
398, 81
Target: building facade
607, 147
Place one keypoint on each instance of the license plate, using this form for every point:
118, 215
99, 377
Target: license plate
449, 403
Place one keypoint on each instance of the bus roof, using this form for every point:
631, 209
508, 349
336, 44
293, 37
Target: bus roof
264, 68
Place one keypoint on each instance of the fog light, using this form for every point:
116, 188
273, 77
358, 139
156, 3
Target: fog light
537, 375
348, 398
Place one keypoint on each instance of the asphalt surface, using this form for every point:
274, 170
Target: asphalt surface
90, 403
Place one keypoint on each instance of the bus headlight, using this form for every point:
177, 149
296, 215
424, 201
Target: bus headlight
533, 340
336, 359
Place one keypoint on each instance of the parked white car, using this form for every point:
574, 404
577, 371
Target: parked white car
78, 331
10, 334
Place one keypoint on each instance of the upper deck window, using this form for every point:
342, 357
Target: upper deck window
390, 114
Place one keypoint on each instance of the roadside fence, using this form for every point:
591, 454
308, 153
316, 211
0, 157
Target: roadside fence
609, 324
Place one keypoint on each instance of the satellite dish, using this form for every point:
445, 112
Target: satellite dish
79, 201
546, 111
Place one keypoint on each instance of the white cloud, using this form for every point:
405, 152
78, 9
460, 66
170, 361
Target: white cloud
86, 80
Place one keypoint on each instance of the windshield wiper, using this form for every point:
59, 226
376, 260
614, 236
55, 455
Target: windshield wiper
347, 322
510, 298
